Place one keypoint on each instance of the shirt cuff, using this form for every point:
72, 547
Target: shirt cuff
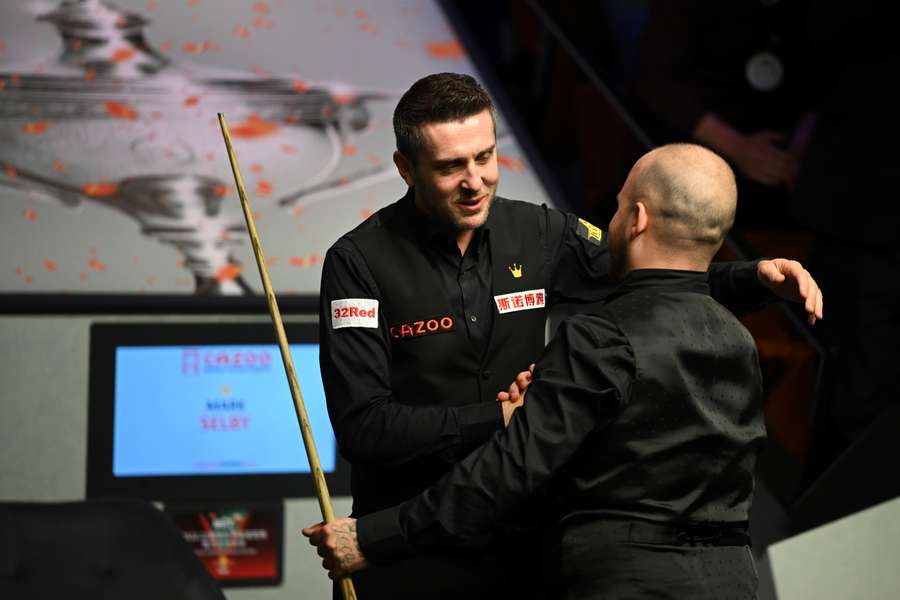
477, 422
380, 536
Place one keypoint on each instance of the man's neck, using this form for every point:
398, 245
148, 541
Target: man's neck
674, 263
463, 239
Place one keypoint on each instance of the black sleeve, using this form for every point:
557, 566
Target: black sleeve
577, 260
579, 263
736, 286
371, 425
581, 383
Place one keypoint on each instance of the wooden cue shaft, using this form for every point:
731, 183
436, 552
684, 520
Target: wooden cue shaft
299, 407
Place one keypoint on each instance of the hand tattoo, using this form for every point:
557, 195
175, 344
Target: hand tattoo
347, 552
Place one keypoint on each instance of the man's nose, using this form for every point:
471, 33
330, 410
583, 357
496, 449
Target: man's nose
472, 177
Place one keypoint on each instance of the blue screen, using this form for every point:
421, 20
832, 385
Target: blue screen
215, 410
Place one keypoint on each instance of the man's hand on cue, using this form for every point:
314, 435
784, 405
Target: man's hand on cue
338, 545
790, 281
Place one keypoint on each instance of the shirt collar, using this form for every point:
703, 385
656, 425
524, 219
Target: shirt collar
664, 279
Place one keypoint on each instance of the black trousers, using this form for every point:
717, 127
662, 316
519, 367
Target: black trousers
625, 560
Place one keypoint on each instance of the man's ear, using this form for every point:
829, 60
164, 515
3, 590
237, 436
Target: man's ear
639, 219
404, 167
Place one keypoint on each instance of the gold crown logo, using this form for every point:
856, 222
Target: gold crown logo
516, 270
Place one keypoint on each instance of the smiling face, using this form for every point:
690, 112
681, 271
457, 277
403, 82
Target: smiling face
455, 174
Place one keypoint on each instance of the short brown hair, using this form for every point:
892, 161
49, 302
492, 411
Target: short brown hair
436, 98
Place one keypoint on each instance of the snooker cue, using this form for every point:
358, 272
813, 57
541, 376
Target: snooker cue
306, 431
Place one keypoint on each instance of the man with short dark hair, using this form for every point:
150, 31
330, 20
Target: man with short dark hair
642, 425
432, 306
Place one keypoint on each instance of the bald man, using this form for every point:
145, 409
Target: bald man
641, 428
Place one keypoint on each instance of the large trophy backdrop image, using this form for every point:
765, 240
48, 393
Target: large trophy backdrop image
113, 176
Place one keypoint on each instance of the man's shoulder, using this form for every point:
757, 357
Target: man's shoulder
518, 207
364, 232
596, 325
517, 216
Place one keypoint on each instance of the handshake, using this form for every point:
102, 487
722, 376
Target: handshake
515, 396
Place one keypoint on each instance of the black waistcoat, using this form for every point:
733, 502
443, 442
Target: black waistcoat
436, 365
684, 447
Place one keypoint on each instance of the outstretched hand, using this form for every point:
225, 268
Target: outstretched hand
790, 281
338, 545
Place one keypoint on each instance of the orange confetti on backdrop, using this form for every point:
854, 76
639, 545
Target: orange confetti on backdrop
2, 84
30, 214
10, 172
263, 23
18, 270
263, 188
241, 31
254, 127
513, 164
297, 261
82, 275
222, 189
50, 265
348, 150
360, 13
451, 49
261, 7
119, 110
191, 100
90, 74
289, 149
256, 168
123, 54
28, 279
35, 127
299, 86
228, 272
96, 265
59, 166
199, 47
344, 99
99, 189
